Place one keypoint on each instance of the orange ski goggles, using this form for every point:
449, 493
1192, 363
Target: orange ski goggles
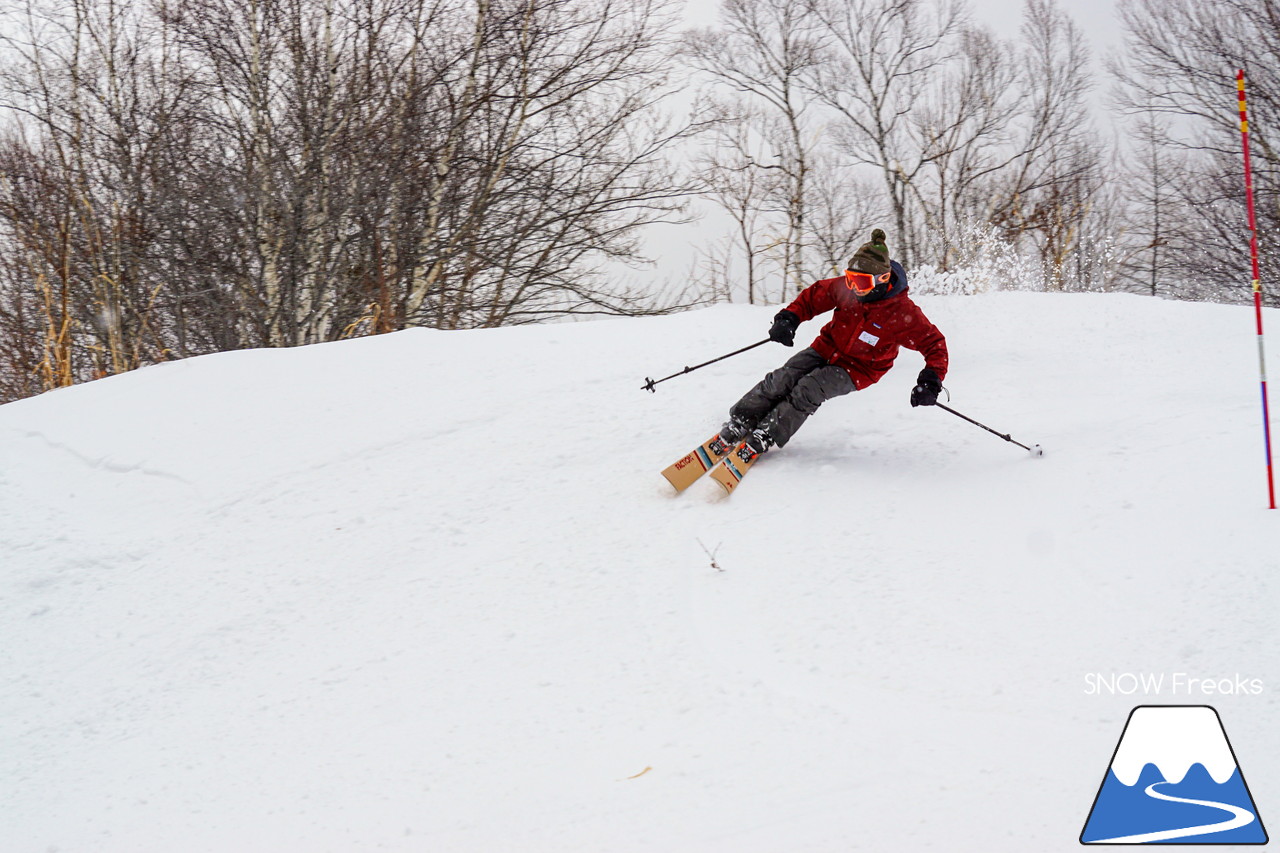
862, 283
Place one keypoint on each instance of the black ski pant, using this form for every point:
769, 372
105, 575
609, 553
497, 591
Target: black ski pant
781, 402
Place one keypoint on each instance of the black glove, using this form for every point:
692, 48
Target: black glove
928, 387
784, 328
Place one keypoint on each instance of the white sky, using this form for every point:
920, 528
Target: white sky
1096, 17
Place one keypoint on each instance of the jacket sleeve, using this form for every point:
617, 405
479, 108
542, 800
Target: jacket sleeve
924, 337
813, 300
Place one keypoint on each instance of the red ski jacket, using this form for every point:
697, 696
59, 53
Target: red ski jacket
864, 338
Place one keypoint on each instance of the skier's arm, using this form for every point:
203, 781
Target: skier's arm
813, 300
924, 337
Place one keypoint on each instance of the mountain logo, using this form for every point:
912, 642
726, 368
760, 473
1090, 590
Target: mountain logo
1173, 779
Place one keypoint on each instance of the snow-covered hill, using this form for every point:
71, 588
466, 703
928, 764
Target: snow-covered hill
428, 592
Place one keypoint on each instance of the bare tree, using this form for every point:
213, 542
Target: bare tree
1154, 213
732, 179
1053, 180
880, 60
92, 113
1178, 65
187, 176
844, 206
960, 129
963, 130
760, 54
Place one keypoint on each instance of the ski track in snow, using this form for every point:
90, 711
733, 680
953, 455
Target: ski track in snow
428, 591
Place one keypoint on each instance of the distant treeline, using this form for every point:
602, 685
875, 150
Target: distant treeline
180, 177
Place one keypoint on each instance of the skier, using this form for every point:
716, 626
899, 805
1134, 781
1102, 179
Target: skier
873, 317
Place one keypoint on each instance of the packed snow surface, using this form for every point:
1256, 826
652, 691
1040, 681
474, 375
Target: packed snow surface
428, 592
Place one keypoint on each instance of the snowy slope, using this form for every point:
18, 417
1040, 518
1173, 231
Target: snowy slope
428, 592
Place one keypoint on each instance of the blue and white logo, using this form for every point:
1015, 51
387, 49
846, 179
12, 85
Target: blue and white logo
1173, 779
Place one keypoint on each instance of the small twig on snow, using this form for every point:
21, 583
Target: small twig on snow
712, 555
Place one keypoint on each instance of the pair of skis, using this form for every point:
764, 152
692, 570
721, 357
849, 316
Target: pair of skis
727, 463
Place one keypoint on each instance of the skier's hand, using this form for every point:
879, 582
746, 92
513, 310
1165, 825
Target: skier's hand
928, 387
784, 328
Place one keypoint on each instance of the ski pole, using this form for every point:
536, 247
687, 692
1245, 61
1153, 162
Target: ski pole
649, 383
1034, 450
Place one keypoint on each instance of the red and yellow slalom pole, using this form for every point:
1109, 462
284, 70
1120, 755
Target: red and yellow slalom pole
1257, 281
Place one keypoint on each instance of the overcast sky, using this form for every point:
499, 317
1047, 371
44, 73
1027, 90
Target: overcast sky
1096, 17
